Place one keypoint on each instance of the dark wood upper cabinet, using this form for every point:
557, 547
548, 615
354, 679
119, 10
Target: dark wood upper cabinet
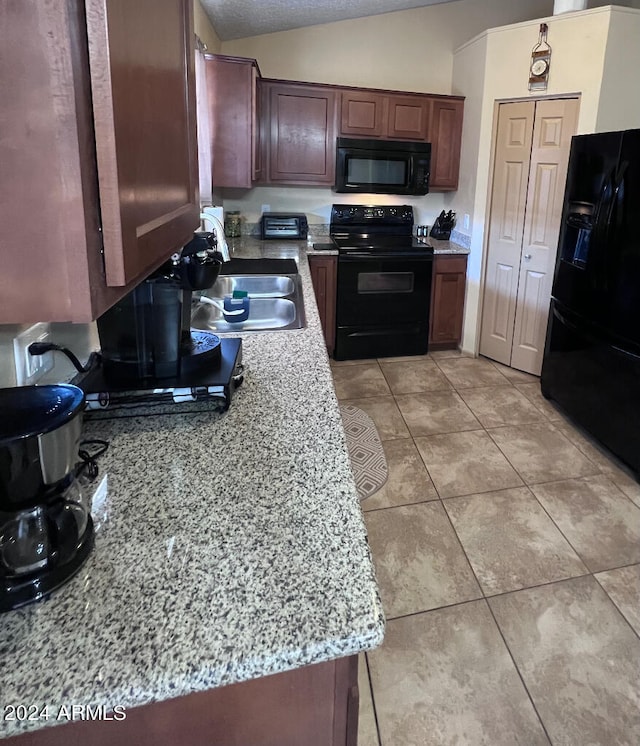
300, 122
233, 116
98, 182
143, 85
363, 114
445, 135
408, 118
370, 113
300, 132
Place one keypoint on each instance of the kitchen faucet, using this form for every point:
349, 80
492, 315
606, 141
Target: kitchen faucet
218, 229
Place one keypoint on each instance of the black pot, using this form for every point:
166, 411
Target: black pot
39, 439
200, 262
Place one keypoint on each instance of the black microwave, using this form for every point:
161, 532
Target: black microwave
382, 166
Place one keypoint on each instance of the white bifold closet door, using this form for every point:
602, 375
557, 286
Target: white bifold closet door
533, 139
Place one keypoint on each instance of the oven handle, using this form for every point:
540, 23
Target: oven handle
354, 256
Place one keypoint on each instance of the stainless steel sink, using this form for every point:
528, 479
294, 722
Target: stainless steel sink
275, 304
258, 286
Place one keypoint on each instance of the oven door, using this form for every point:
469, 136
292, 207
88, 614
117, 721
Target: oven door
382, 304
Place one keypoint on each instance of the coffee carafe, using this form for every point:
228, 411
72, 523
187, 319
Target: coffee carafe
146, 336
46, 532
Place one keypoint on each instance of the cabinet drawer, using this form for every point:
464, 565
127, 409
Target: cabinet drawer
448, 263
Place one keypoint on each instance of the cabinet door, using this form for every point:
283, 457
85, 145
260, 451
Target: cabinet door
363, 114
323, 276
302, 133
315, 705
142, 79
256, 127
447, 301
445, 134
408, 117
231, 90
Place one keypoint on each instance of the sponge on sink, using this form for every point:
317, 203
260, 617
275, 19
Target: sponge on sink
240, 294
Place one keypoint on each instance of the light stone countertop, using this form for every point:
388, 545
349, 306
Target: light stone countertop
231, 546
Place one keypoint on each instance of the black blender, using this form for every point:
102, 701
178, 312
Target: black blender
46, 532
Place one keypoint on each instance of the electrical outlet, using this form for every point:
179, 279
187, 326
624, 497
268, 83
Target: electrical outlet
466, 221
266, 208
31, 368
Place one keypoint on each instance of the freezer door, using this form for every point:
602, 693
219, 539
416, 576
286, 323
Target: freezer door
579, 281
595, 381
621, 237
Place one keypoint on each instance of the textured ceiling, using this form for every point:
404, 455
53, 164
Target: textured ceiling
236, 19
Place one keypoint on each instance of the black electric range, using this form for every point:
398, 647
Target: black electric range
384, 282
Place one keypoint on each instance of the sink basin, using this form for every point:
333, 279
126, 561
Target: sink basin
275, 304
258, 286
264, 313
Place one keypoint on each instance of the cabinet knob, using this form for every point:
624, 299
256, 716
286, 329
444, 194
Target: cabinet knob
527, 256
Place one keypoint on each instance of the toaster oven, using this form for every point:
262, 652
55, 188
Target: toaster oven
283, 225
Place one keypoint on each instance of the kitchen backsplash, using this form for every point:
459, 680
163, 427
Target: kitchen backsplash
316, 203
81, 339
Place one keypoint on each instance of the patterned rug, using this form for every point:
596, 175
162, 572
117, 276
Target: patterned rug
368, 463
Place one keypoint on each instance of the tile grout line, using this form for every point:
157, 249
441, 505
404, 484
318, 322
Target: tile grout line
520, 675
619, 610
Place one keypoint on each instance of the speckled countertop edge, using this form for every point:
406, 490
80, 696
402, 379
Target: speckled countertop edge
230, 546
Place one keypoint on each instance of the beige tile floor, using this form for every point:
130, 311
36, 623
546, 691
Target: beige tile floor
507, 550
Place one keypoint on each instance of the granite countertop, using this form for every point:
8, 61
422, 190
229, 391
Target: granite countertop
230, 546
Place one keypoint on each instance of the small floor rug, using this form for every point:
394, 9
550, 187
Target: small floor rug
368, 463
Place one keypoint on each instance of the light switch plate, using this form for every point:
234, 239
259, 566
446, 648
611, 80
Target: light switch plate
31, 368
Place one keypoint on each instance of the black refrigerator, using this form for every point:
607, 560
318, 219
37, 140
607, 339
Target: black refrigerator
591, 365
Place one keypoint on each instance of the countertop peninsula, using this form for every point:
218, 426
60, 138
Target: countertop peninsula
230, 546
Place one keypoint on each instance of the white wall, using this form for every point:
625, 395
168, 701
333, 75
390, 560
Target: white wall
409, 50
579, 44
204, 29
619, 106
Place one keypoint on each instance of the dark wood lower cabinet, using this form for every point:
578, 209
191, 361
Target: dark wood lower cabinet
324, 276
311, 706
447, 301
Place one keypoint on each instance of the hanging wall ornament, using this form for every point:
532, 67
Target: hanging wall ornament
540, 62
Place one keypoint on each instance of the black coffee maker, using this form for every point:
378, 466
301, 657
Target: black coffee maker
46, 532
146, 336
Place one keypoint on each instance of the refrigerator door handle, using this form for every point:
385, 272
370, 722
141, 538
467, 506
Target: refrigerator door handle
625, 352
597, 252
574, 328
613, 212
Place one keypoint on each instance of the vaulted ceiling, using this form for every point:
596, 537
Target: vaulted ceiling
236, 19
